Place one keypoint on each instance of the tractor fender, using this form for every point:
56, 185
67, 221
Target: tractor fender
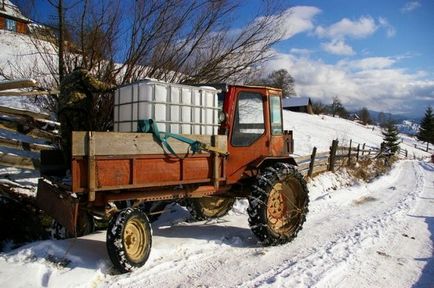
270, 160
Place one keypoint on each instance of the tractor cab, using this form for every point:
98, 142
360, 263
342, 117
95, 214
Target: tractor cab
253, 123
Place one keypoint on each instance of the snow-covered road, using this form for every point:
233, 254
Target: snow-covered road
365, 235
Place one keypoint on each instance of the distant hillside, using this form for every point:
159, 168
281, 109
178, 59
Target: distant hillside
397, 118
408, 127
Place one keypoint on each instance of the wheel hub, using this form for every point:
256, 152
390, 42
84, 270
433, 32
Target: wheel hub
134, 239
276, 206
279, 207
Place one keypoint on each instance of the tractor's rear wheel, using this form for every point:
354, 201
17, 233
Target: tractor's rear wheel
209, 207
278, 204
129, 239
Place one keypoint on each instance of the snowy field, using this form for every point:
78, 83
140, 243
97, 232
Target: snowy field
356, 235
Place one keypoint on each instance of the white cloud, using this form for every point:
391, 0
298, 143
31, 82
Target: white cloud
373, 82
390, 30
361, 28
298, 19
410, 6
337, 47
368, 63
301, 51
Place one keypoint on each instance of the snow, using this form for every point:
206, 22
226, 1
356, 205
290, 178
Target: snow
320, 130
12, 10
345, 242
408, 127
21, 59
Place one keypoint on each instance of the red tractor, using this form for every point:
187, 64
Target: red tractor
248, 158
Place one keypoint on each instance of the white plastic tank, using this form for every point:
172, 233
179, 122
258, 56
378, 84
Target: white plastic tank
175, 108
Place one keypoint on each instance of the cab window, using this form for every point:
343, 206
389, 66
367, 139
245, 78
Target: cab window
276, 115
249, 119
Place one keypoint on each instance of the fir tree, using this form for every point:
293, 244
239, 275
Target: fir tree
426, 130
390, 137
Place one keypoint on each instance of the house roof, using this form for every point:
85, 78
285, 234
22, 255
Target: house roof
12, 11
295, 102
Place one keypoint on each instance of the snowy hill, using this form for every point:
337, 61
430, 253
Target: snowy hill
320, 130
408, 127
20, 59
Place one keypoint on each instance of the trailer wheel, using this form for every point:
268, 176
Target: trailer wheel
129, 239
209, 207
278, 205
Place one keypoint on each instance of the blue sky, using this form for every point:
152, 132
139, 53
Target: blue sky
377, 54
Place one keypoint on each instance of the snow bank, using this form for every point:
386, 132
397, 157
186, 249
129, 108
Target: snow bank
320, 130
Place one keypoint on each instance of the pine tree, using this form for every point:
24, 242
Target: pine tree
426, 130
390, 137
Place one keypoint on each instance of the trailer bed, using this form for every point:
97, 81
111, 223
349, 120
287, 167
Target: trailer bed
104, 161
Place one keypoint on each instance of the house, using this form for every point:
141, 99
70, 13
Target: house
11, 18
298, 104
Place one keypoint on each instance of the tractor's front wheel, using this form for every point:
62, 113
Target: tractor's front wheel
129, 239
209, 207
278, 204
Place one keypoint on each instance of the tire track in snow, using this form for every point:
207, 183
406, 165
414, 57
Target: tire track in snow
342, 248
305, 261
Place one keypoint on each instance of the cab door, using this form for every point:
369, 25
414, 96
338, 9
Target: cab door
249, 136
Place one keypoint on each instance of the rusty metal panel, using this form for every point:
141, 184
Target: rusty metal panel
113, 172
123, 172
157, 170
58, 204
79, 174
197, 168
164, 194
277, 145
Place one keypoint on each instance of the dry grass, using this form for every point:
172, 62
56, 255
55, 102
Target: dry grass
369, 168
364, 199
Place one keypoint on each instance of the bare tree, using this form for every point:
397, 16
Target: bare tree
278, 79
336, 108
185, 41
364, 116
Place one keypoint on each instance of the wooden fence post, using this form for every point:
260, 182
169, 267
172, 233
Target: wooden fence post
349, 152
312, 162
363, 149
91, 162
406, 153
332, 158
358, 151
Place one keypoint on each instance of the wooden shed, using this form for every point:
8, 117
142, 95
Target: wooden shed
12, 19
298, 104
